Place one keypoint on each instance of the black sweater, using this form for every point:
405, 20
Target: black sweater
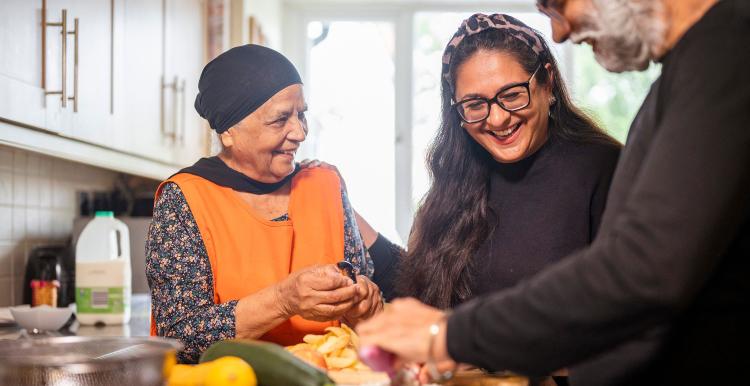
662, 295
545, 207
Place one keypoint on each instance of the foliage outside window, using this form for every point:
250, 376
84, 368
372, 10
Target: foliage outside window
612, 99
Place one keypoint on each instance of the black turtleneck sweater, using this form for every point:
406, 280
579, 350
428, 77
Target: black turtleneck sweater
546, 206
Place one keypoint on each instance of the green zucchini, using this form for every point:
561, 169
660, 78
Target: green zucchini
273, 365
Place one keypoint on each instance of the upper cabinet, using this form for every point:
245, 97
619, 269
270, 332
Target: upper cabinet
91, 78
117, 74
32, 63
185, 42
139, 105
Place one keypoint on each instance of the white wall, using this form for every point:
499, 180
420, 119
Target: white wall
267, 13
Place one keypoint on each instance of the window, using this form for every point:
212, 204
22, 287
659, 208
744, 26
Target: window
350, 86
612, 99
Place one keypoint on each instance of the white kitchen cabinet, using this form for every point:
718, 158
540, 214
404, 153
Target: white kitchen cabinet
130, 71
139, 29
161, 57
185, 42
91, 80
22, 94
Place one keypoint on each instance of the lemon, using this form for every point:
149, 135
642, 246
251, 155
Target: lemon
230, 371
185, 375
170, 360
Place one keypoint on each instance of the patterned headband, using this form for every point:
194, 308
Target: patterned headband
480, 22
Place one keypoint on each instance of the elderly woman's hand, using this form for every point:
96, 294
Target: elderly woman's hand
318, 293
370, 303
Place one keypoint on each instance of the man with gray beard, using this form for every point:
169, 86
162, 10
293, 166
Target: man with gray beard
679, 201
662, 295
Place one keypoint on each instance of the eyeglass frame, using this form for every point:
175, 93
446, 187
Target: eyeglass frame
495, 100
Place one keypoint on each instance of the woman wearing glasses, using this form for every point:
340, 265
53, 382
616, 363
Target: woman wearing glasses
519, 174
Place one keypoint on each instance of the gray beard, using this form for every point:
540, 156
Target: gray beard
627, 33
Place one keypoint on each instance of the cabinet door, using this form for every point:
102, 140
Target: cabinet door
92, 79
138, 83
22, 97
185, 37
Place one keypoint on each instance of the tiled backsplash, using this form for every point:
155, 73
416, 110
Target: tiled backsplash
37, 207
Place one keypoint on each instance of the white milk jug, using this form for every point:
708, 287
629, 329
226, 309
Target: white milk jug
103, 273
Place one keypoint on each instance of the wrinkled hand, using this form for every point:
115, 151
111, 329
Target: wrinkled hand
403, 329
370, 303
308, 163
318, 293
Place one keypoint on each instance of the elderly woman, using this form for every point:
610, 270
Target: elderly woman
245, 244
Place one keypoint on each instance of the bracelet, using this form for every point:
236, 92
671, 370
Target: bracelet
432, 369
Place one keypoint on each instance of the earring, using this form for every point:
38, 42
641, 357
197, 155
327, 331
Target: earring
552, 100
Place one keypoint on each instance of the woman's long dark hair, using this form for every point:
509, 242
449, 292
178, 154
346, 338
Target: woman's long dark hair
454, 218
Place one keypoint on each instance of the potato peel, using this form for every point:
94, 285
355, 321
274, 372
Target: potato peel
339, 347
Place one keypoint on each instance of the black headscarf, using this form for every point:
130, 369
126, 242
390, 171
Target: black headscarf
239, 81
231, 87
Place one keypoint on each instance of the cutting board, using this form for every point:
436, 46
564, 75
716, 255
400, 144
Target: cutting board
478, 378
462, 378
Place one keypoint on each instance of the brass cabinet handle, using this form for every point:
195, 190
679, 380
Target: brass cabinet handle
173, 133
63, 23
181, 91
162, 105
74, 98
176, 130
172, 86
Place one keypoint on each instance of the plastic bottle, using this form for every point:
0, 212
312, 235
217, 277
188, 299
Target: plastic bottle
103, 272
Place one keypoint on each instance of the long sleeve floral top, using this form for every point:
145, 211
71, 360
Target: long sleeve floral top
180, 278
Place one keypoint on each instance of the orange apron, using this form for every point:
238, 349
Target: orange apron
248, 253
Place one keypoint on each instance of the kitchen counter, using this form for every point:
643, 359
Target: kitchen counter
139, 324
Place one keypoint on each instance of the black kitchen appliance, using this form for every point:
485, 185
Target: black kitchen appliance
48, 263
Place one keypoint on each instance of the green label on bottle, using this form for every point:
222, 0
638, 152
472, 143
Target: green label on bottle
100, 300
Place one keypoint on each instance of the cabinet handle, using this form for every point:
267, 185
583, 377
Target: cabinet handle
172, 86
181, 90
175, 105
162, 110
74, 98
63, 23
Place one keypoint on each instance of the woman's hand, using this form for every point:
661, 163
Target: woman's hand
370, 303
318, 293
313, 163
404, 329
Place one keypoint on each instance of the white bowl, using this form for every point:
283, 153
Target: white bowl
41, 318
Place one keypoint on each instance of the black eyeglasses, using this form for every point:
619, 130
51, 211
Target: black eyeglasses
511, 98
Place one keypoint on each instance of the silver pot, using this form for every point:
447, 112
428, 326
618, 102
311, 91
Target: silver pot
74, 360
